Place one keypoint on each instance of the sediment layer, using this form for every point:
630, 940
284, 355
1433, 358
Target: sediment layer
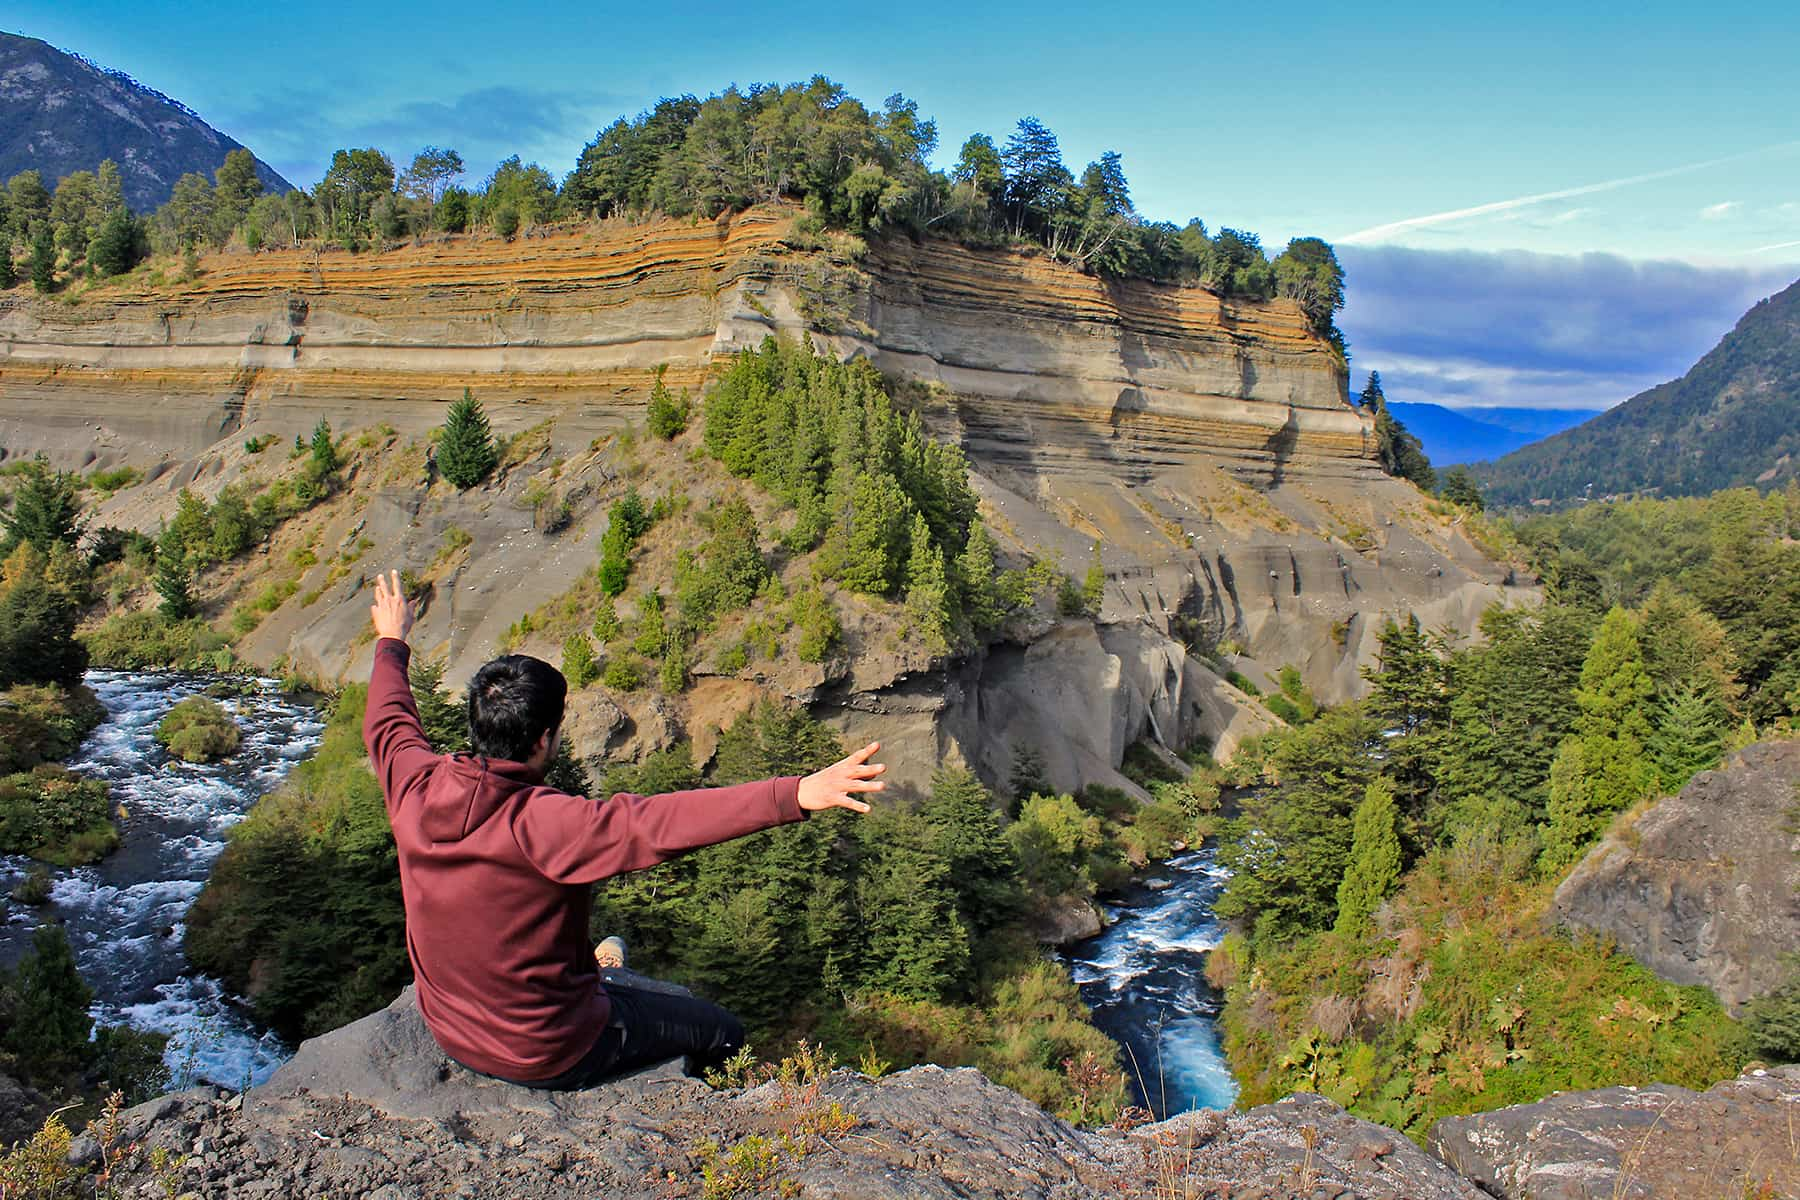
1036, 361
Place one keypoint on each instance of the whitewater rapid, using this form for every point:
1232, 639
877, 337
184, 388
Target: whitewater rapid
1144, 979
124, 915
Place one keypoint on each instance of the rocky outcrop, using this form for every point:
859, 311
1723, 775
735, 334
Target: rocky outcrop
22, 1110
375, 1110
1704, 888
1650, 1143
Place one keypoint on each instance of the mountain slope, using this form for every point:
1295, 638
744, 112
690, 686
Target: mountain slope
1734, 419
1452, 436
60, 114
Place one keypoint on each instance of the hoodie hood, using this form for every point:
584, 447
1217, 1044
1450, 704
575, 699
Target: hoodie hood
467, 790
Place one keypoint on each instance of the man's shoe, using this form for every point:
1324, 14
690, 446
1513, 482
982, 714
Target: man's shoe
610, 954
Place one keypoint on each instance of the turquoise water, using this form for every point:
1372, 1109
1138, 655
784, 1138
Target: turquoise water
1143, 977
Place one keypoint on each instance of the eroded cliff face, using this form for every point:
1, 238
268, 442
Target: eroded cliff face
1203, 444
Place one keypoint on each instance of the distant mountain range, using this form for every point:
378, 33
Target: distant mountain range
60, 113
1734, 419
1468, 435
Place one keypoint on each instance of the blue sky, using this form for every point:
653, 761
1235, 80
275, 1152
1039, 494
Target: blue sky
1488, 136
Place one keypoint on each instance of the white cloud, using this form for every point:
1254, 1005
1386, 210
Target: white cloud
1721, 210
1377, 233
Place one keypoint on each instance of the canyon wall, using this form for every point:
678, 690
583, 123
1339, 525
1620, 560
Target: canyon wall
1203, 444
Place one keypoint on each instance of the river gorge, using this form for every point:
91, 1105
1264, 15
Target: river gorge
1142, 976
124, 915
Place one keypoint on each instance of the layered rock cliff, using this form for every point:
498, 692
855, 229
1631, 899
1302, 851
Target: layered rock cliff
1704, 888
1203, 443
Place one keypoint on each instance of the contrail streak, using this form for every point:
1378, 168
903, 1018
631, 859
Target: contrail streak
1377, 232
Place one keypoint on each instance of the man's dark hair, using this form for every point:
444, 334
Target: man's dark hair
513, 701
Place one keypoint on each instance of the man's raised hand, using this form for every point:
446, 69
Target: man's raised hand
835, 785
392, 615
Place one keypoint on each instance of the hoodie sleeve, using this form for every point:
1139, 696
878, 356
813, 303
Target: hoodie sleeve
572, 839
391, 730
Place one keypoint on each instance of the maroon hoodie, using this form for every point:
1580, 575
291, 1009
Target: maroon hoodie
496, 870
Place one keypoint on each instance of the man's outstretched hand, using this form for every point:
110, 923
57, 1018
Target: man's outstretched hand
392, 614
835, 785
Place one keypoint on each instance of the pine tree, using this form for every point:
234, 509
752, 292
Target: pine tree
967, 838
46, 511
1604, 766
738, 954
978, 581
8, 276
445, 721
874, 532
1399, 452
578, 663
1690, 736
174, 584
927, 589
1410, 693
666, 416
324, 450
917, 945
43, 259
50, 1025
1459, 487
115, 247
465, 450
1374, 869
1027, 778
1093, 585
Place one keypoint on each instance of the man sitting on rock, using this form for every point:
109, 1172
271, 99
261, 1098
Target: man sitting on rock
497, 869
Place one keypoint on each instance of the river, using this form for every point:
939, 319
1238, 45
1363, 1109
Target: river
125, 914
1143, 977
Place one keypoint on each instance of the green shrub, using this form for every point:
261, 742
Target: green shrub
578, 663
623, 673
44, 723
114, 480
1284, 708
147, 640
820, 629
35, 888
1772, 1020
56, 815
199, 729
666, 415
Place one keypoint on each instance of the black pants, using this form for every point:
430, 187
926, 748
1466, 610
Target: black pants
652, 1022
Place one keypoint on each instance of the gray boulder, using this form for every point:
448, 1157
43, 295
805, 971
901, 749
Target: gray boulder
1704, 888
1648, 1143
